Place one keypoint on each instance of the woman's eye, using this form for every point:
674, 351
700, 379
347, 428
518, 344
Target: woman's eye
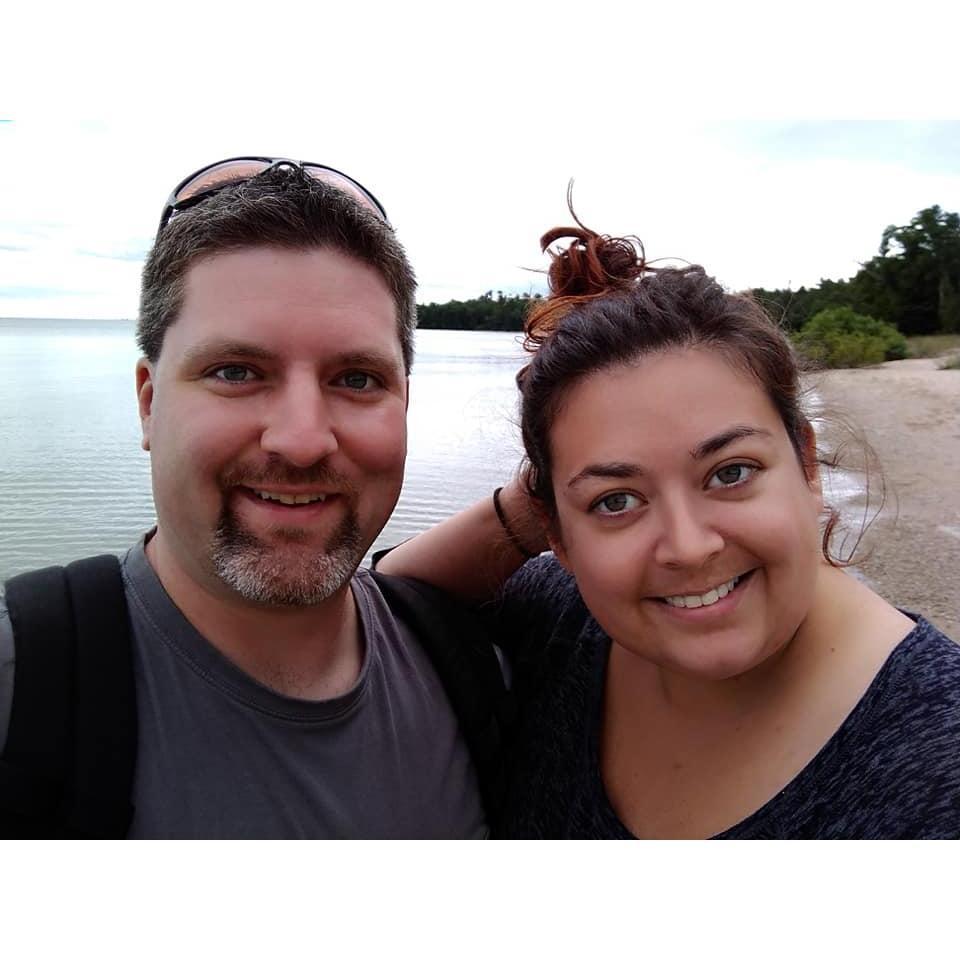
233, 373
616, 503
731, 475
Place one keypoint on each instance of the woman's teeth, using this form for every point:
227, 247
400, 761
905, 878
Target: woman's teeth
704, 599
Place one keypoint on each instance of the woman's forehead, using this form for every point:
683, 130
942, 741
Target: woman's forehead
665, 401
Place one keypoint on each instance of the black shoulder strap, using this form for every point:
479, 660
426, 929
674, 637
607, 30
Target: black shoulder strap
35, 765
467, 663
67, 766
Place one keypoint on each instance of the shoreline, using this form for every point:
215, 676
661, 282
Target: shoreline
909, 413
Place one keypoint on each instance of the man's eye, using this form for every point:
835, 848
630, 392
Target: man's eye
731, 475
616, 503
358, 380
233, 373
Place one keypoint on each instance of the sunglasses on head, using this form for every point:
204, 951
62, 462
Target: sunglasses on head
224, 173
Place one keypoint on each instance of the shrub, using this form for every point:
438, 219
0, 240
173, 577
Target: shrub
839, 337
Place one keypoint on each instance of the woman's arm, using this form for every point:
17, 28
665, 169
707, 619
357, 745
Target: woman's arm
472, 553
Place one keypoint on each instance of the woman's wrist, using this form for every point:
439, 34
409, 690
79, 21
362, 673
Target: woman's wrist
517, 519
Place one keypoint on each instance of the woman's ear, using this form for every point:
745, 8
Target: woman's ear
552, 529
549, 525
810, 459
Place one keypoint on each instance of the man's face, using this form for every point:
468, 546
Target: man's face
275, 417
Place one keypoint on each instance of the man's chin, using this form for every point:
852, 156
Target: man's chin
276, 578
287, 571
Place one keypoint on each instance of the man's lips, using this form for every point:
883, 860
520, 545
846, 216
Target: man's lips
289, 498
299, 502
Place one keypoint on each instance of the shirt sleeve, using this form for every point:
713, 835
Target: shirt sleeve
525, 614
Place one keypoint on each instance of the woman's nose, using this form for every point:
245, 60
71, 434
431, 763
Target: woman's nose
687, 538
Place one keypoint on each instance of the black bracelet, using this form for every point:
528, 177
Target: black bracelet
511, 536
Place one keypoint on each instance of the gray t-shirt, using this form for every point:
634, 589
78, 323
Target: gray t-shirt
221, 755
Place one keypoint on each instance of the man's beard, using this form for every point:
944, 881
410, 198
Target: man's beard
275, 574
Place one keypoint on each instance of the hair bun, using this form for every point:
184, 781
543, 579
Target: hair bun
592, 265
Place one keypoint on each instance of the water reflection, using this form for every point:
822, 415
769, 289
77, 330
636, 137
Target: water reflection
74, 481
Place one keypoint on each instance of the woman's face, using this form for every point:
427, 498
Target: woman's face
684, 513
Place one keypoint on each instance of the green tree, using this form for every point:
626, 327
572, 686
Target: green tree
919, 268
913, 283
482, 313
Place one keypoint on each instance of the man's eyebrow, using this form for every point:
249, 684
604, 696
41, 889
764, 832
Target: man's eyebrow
368, 358
716, 443
241, 349
226, 348
617, 470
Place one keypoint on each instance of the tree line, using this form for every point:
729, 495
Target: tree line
486, 312
912, 283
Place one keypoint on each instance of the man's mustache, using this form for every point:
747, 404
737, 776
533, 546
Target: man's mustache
280, 473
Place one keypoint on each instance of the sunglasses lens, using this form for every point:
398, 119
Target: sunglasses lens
239, 169
344, 184
231, 171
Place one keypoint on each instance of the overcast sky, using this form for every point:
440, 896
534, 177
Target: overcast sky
770, 142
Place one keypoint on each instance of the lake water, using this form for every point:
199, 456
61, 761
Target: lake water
74, 481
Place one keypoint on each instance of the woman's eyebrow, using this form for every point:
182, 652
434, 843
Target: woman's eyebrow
719, 441
618, 470
623, 470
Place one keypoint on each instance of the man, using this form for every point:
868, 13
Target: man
277, 693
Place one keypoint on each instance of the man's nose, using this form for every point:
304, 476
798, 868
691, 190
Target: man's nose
687, 537
299, 426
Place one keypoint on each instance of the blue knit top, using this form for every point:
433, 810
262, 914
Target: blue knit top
891, 771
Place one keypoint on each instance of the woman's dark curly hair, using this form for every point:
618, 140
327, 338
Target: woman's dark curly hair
607, 307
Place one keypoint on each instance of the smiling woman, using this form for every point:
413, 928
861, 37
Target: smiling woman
693, 662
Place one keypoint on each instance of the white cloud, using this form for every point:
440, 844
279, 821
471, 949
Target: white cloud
468, 126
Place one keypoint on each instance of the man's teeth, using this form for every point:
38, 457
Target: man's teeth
291, 499
704, 599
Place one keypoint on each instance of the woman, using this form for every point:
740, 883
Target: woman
692, 661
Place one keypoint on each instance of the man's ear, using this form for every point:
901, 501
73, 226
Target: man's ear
145, 375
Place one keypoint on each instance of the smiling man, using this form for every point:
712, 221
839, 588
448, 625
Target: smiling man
277, 690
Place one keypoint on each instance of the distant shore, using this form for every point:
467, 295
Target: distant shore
909, 411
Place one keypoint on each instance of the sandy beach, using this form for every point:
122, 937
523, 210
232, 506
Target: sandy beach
909, 411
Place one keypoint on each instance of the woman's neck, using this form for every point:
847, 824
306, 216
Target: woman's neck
848, 632
686, 756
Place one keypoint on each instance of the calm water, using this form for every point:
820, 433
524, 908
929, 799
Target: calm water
74, 481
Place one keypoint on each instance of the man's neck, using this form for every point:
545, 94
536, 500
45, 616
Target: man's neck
310, 652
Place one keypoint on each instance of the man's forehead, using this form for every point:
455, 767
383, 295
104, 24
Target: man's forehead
258, 263
258, 292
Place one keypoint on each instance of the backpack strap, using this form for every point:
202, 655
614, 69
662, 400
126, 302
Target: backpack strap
67, 766
105, 746
470, 669
35, 765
